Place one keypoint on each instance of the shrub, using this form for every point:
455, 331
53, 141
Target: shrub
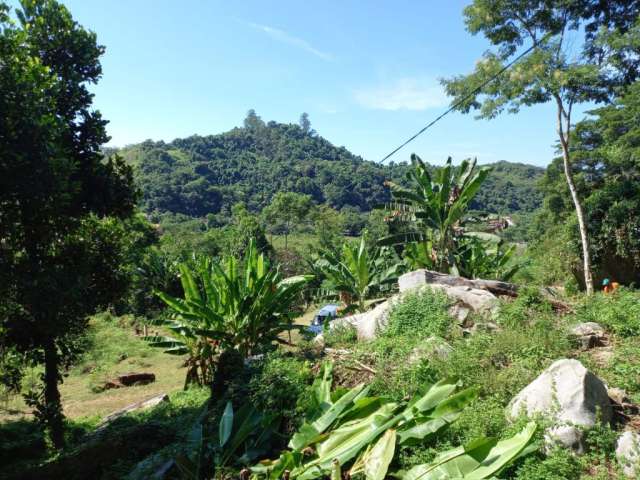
341, 334
504, 362
421, 314
529, 305
619, 312
559, 465
280, 387
397, 377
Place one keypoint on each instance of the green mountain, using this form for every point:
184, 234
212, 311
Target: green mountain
200, 175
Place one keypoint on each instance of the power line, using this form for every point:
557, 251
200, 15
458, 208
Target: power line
462, 100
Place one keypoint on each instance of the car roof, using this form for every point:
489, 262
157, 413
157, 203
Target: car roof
328, 310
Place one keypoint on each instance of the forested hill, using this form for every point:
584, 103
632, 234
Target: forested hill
200, 175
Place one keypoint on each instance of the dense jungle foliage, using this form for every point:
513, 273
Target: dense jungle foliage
197, 176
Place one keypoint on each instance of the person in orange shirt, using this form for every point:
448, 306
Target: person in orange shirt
608, 286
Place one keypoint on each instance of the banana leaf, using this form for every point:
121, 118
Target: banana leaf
481, 459
344, 443
226, 424
308, 432
374, 462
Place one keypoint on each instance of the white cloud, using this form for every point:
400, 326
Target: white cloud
404, 94
285, 37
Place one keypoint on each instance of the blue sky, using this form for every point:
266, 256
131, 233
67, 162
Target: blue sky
365, 71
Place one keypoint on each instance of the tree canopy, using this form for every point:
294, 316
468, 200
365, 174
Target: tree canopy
553, 71
198, 175
60, 256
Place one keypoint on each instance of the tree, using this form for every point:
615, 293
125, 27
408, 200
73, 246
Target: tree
431, 208
329, 226
606, 161
286, 210
551, 72
61, 256
253, 121
305, 124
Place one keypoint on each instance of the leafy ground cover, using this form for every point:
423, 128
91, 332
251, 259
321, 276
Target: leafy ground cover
396, 366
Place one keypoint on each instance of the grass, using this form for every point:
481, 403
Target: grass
114, 349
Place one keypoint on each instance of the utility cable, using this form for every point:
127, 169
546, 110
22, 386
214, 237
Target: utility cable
463, 99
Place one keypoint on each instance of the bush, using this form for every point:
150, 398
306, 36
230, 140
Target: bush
559, 465
527, 306
421, 314
504, 362
341, 334
618, 312
280, 387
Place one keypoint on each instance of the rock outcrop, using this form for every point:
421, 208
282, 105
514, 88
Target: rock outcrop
589, 334
628, 454
369, 323
570, 396
466, 299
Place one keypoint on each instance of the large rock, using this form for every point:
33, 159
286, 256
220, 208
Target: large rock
369, 323
589, 334
466, 299
628, 454
570, 396
466, 296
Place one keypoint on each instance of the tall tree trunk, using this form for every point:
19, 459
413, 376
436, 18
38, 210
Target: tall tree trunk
563, 133
53, 405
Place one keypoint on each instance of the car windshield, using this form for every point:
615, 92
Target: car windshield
318, 319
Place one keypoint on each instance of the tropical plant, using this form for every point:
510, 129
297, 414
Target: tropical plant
157, 270
228, 309
481, 458
478, 258
432, 208
351, 425
358, 273
238, 439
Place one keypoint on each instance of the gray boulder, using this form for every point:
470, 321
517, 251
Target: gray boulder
589, 334
465, 292
473, 299
570, 396
432, 348
369, 323
628, 454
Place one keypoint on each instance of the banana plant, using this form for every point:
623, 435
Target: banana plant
239, 439
434, 206
353, 427
479, 258
482, 458
228, 308
358, 273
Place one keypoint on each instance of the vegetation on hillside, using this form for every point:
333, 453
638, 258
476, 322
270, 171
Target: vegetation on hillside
244, 234
200, 176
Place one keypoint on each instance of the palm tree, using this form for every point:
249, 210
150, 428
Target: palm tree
228, 309
358, 273
433, 207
